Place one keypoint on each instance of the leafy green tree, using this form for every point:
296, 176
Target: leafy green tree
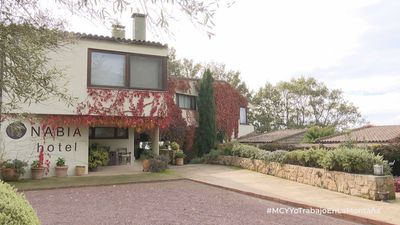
220, 72
301, 103
206, 131
315, 132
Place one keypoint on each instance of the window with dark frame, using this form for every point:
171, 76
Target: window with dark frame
186, 101
108, 133
126, 70
243, 116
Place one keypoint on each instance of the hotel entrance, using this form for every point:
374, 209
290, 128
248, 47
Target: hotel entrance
118, 147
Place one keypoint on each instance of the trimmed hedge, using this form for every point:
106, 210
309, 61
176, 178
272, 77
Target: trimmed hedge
14, 208
351, 160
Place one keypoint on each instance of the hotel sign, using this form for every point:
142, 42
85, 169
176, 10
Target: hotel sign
18, 130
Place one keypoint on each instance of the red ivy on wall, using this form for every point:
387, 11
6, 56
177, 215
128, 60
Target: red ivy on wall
121, 108
227, 106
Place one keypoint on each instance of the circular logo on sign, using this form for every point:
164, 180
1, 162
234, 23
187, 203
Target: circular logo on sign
16, 130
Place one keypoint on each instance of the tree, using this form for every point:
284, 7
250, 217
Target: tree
186, 68
316, 132
301, 103
206, 131
220, 72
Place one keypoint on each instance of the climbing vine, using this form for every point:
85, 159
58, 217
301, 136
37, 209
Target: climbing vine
227, 108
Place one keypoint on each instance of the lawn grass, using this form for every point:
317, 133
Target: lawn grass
84, 181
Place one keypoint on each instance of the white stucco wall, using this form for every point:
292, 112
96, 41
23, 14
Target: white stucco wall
73, 60
74, 148
245, 129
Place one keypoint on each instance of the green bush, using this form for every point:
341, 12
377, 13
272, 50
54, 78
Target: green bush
158, 164
309, 158
197, 160
247, 151
180, 154
226, 148
212, 155
275, 146
353, 160
14, 208
174, 146
17, 164
98, 156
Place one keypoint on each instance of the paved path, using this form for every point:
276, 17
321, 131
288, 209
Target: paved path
161, 203
274, 187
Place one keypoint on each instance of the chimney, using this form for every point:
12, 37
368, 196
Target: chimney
118, 31
139, 26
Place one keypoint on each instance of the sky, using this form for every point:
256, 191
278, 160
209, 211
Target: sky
352, 45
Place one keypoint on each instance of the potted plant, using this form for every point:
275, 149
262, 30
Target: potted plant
61, 168
39, 167
174, 148
179, 156
37, 170
146, 155
12, 170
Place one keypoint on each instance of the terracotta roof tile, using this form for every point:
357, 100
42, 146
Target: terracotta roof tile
119, 40
366, 134
272, 136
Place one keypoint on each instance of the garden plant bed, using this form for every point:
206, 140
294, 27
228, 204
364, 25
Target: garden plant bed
360, 185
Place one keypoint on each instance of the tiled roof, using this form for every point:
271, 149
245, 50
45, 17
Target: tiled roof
119, 40
366, 134
272, 136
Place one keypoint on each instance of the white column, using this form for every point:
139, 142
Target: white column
155, 138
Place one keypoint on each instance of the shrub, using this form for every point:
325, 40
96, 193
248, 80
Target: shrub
353, 160
275, 146
197, 160
247, 151
276, 156
309, 158
15, 209
174, 146
158, 164
17, 164
212, 155
97, 157
391, 153
147, 154
226, 148
180, 154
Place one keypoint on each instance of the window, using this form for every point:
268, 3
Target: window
107, 69
108, 133
243, 116
186, 101
125, 70
146, 72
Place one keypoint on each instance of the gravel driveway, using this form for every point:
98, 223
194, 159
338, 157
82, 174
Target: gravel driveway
174, 202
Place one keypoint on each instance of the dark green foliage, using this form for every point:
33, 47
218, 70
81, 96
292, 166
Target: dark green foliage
158, 164
390, 153
98, 156
309, 158
275, 146
206, 132
17, 164
315, 132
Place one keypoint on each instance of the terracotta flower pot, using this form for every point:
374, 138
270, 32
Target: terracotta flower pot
37, 173
80, 170
146, 165
9, 174
179, 161
61, 171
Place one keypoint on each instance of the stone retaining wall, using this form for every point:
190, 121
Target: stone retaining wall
360, 185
